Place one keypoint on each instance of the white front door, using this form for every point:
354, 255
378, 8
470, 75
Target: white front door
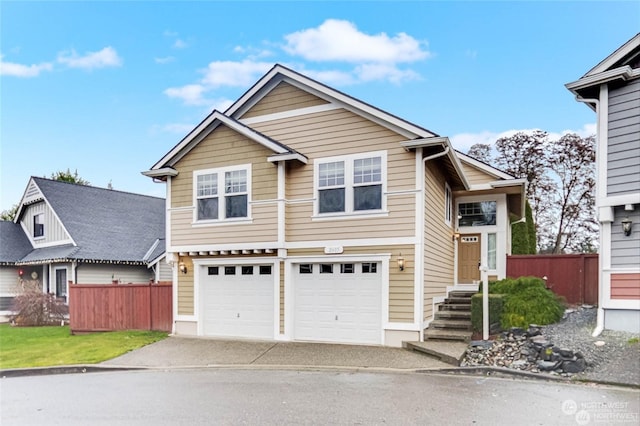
338, 302
237, 301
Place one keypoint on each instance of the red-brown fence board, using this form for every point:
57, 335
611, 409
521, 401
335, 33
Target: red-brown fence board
573, 276
98, 307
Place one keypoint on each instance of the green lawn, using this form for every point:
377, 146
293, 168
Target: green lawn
47, 346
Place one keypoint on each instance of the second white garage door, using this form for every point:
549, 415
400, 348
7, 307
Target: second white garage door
238, 301
338, 302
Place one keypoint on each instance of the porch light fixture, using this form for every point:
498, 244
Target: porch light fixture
401, 262
182, 267
626, 226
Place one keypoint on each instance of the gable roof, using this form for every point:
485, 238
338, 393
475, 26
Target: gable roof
486, 168
104, 224
281, 73
623, 64
232, 118
208, 125
14, 244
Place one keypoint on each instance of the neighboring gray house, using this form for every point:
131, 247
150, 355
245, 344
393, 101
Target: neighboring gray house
64, 232
612, 90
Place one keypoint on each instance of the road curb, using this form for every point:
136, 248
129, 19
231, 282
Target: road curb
61, 369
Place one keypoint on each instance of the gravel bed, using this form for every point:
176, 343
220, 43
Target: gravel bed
613, 356
617, 360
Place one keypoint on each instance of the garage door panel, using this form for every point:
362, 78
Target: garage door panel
238, 305
338, 307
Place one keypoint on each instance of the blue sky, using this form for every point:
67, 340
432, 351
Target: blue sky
107, 88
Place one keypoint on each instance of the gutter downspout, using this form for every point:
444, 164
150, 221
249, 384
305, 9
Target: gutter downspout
422, 245
600, 312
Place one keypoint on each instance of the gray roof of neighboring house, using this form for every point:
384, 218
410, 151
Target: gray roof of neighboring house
106, 225
14, 243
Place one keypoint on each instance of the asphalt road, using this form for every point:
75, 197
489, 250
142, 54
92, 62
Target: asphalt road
274, 397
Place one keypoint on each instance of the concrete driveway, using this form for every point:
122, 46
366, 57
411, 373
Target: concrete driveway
206, 352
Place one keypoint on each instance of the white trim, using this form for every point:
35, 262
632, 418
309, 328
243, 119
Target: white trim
288, 156
224, 222
419, 248
484, 167
167, 224
367, 214
202, 130
281, 193
163, 172
401, 326
448, 205
602, 131
220, 173
624, 73
608, 302
352, 242
349, 184
617, 55
289, 114
619, 200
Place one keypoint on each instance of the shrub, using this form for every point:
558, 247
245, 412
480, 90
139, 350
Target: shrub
496, 303
527, 301
32, 307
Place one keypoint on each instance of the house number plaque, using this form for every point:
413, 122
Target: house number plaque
333, 250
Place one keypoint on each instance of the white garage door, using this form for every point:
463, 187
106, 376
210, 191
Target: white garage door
338, 302
238, 301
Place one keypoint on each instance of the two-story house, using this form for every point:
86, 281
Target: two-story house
301, 213
612, 90
65, 232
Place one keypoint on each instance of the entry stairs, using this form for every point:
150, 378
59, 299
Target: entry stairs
448, 335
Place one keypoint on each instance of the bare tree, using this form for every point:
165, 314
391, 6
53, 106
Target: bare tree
568, 216
481, 152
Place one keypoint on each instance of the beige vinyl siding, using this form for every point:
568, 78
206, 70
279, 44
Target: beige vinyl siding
284, 97
263, 229
401, 284
53, 230
476, 176
166, 272
104, 274
340, 132
223, 148
439, 246
185, 289
399, 223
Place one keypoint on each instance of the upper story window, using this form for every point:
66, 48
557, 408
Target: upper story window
448, 204
38, 225
482, 213
222, 194
351, 184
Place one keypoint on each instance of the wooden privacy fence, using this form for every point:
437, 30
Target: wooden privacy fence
574, 276
98, 307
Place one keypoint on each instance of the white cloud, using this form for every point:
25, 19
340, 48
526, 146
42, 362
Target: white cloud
20, 70
180, 44
191, 94
463, 141
234, 74
339, 40
372, 72
164, 60
179, 128
107, 57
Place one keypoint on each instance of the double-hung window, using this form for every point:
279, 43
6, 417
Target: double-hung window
38, 225
351, 184
222, 194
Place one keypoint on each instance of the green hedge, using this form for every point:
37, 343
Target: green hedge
496, 304
527, 301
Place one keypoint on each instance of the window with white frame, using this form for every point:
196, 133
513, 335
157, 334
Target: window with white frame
448, 204
351, 184
492, 251
482, 213
222, 193
38, 225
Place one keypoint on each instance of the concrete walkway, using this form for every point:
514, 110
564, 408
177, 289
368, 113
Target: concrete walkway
205, 352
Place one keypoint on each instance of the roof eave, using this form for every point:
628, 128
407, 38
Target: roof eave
288, 156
